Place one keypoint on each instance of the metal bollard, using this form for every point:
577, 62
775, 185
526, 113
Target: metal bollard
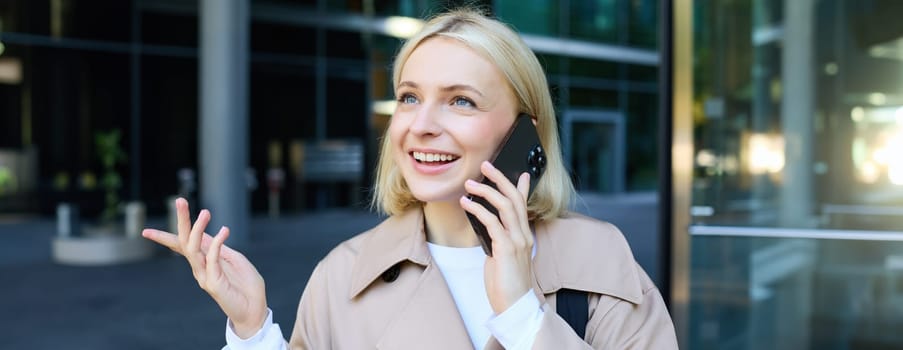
135, 215
187, 182
67, 223
275, 182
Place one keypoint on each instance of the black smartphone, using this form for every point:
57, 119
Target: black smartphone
519, 152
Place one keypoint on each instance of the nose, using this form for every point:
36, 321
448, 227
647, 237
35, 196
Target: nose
426, 122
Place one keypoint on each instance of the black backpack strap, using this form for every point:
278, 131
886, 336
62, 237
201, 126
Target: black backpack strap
573, 307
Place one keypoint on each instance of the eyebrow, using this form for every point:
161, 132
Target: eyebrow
445, 88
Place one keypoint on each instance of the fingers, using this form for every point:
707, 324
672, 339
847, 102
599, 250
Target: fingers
500, 241
171, 241
518, 195
508, 199
197, 232
523, 186
506, 210
505, 186
214, 270
165, 239
184, 220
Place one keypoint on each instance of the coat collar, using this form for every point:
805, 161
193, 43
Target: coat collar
398, 238
561, 259
581, 253
426, 318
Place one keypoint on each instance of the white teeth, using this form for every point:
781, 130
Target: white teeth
433, 157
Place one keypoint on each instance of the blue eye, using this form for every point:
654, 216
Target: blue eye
463, 102
408, 99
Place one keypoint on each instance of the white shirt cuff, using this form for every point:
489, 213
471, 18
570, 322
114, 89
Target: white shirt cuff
516, 327
269, 336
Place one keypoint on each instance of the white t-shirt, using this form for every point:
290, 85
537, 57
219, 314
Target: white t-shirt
463, 269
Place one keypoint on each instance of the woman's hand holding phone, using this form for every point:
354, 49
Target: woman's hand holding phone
509, 271
222, 272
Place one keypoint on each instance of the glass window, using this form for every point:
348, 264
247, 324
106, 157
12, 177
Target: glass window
595, 20
281, 38
643, 74
530, 16
12, 97
593, 98
346, 108
106, 20
170, 29
798, 182
588, 68
169, 107
642, 131
416, 8
643, 23
344, 44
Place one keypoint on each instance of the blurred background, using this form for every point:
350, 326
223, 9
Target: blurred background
748, 149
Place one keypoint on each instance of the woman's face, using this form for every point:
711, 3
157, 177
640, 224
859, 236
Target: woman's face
454, 108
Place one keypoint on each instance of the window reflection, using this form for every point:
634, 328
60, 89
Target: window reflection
798, 178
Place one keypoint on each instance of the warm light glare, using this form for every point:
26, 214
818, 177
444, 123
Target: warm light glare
403, 27
384, 107
705, 158
869, 173
895, 163
858, 114
766, 154
730, 164
895, 175
10, 70
881, 156
2, 48
860, 151
877, 98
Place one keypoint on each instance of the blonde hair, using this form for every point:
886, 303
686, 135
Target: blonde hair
499, 44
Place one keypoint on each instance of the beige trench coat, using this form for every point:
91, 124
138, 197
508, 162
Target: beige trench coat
356, 300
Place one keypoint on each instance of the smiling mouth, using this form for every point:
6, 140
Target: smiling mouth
433, 158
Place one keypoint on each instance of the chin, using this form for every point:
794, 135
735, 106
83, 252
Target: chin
436, 190
437, 195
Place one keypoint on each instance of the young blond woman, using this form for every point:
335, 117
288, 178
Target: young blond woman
420, 280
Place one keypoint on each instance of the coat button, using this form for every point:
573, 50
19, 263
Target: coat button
391, 274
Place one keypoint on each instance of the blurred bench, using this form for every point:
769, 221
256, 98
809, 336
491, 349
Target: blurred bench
325, 164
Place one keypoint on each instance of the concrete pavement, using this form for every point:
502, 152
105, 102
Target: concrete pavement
157, 304
152, 304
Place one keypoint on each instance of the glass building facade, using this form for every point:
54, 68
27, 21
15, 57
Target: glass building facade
796, 191
787, 210
319, 74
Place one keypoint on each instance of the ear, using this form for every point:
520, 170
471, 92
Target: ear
533, 119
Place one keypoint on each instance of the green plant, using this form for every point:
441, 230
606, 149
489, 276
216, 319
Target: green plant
111, 154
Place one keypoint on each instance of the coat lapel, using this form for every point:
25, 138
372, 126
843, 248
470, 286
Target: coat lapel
429, 320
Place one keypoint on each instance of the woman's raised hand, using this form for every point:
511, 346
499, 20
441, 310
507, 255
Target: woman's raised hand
509, 271
222, 272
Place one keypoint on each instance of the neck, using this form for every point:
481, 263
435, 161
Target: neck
447, 225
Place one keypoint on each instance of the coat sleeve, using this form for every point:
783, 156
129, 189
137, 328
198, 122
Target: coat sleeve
614, 324
312, 324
